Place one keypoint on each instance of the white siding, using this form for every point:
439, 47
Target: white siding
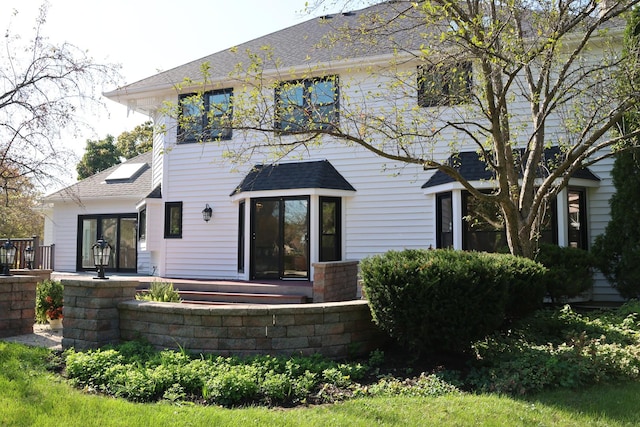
65, 226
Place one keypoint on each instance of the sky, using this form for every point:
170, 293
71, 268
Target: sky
148, 36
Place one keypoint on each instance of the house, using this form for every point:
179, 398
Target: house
274, 218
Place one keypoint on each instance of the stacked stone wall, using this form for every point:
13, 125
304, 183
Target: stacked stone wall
17, 305
335, 281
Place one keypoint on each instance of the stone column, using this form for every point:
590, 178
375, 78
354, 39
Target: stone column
17, 305
335, 281
91, 318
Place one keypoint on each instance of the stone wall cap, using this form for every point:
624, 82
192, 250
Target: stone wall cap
90, 282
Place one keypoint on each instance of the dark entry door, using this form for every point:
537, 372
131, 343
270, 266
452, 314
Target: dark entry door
280, 238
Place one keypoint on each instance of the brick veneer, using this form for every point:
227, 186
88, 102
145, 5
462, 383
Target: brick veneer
17, 305
335, 330
335, 281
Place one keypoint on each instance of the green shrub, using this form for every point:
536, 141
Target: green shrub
443, 300
161, 292
52, 289
559, 349
570, 271
231, 387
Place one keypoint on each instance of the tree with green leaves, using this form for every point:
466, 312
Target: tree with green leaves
508, 78
618, 249
19, 214
98, 156
137, 141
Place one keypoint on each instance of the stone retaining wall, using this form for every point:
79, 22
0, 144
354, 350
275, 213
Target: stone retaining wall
17, 305
336, 330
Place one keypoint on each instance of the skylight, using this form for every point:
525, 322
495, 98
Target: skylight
125, 171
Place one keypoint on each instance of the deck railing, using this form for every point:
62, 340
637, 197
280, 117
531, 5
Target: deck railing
43, 257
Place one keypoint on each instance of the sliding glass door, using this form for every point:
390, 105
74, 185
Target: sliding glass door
118, 230
280, 238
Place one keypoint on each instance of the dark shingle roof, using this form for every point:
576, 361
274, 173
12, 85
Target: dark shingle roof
318, 174
310, 42
472, 168
96, 186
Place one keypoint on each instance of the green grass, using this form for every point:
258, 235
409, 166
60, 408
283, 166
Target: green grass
30, 395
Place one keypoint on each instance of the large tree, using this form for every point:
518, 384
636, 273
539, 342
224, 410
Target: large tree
47, 91
543, 73
19, 214
102, 154
137, 141
98, 156
618, 248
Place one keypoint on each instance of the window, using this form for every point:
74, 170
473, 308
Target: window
483, 225
206, 117
142, 224
330, 229
577, 218
173, 220
241, 242
444, 85
444, 220
307, 105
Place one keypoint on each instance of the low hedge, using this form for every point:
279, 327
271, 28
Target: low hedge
443, 300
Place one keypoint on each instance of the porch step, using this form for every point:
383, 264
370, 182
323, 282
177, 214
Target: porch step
240, 297
238, 292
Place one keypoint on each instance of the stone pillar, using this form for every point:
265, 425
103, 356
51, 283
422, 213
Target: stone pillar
91, 318
17, 305
335, 281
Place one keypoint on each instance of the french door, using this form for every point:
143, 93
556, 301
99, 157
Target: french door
118, 230
280, 238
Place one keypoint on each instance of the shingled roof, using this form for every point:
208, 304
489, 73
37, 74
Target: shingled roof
135, 186
286, 176
315, 41
472, 168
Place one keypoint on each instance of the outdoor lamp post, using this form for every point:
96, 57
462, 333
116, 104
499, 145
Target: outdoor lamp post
101, 254
28, 256
206, 213
7, 257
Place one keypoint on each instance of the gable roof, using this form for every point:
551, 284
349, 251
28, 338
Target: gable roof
133, 186
287, 176
472, 168
311, 42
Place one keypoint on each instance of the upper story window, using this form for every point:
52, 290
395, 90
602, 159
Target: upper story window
205, 117
307, 105
444, 85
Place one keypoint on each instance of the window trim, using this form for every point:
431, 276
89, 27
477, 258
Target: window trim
205, 128
338, 228
168, 234
307, 106
142, 224
443, 97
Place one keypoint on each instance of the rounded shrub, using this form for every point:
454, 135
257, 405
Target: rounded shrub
443, 300
570, 271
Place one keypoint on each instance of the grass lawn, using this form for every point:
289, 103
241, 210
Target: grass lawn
30, 395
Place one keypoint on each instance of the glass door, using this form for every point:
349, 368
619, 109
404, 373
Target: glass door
118, 230
280, 238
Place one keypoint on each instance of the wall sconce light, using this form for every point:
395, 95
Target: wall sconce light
206, 213
7, 257
101, 255
28, 257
